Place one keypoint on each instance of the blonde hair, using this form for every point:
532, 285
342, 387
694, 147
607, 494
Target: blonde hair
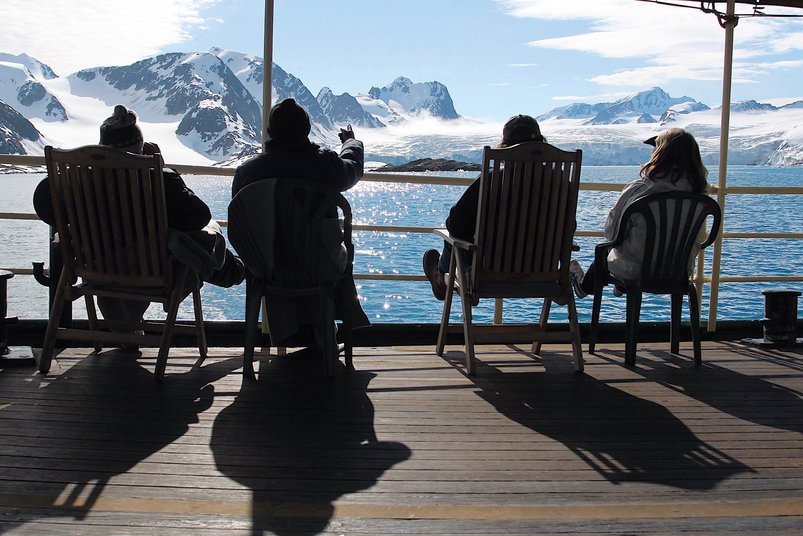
676, 155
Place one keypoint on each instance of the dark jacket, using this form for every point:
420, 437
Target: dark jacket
310, 162
185, 210
462, 220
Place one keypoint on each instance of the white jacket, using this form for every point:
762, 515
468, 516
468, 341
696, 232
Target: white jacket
624, 261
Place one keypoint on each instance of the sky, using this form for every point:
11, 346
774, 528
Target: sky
497, 57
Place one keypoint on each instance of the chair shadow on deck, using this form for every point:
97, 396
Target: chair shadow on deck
108, 416
743, 396
299, 441
624, 438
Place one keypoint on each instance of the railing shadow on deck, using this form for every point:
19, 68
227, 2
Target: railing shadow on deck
299, 441
102, 417
622, 437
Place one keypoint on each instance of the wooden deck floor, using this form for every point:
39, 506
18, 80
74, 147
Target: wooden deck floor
407, 444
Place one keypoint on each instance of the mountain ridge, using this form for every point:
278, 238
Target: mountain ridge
210, 103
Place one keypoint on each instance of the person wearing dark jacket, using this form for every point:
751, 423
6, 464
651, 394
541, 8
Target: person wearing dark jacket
462, 220
290, 154
186, 212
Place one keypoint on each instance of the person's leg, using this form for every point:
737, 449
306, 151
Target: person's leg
446, 258
123, 310
433, 263
582, 282
587, 283
231, 273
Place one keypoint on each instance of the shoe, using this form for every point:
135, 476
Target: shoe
576, 274
435, 277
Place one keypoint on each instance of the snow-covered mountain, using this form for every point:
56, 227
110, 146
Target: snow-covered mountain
216, 114
204, 108
416, 98
344, 109
17, 134
21, 86
651, 106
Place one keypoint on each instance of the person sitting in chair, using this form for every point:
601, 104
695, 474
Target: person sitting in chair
289, 154
675, 165
186, 212
462, 220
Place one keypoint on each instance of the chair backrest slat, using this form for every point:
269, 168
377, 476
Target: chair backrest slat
526, 214
111, 215
672, 223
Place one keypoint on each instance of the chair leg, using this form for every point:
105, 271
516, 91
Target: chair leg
542, 323
595, 308
574, 328
447, 307
468, 333
674, 323
253, 299
466, 299
632, 321
92, 317
348, 344
325, 329
694, 319
49, 344
200, 330
167, 335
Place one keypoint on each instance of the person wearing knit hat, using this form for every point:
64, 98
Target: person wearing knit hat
462, 220
121, 131
186, 212
289, 153
289, 123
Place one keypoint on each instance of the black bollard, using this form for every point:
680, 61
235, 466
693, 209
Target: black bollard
780, 319
780, 316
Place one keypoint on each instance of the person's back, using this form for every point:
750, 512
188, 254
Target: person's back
675, 165
462, 220
289, 154
186, 213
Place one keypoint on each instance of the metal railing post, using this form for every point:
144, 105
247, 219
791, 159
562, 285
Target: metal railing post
729, 23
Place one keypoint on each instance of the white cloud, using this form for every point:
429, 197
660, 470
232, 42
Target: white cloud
664, 43
70, 35
523, 65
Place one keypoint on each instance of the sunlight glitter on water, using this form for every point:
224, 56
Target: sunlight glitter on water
421, 205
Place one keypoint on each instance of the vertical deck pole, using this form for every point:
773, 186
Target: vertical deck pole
729, 23
267, 69
267, 95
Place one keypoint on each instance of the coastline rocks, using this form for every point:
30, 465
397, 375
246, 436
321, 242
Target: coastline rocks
430, 164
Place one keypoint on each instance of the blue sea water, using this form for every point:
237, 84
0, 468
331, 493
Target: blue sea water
427, 205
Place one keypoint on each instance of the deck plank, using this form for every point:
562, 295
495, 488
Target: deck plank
407, 444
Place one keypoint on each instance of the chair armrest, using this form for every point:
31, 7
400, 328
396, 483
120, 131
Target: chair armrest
601, 254
455, 242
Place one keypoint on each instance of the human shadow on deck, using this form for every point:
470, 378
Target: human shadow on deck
299, 442
99, 419
623, 437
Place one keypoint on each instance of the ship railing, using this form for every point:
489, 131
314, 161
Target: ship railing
714, 278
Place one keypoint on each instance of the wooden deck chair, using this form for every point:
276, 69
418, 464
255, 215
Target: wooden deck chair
522, 247
671, 222
111, 222
278, 227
